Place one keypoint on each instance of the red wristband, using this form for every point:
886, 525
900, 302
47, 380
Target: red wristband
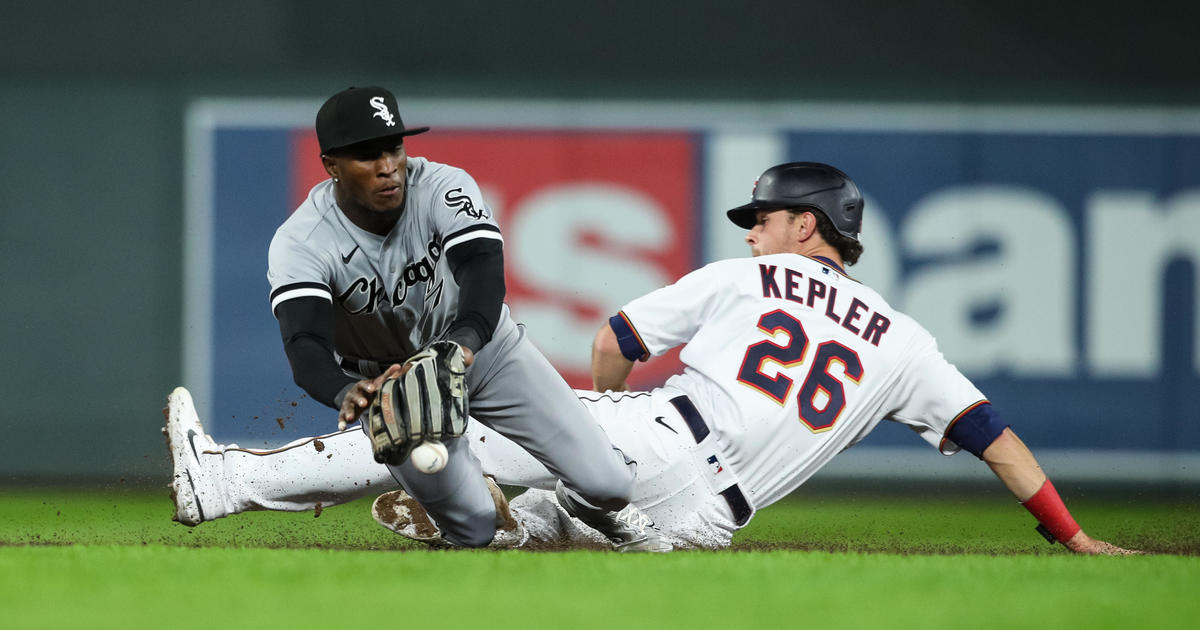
1046, 506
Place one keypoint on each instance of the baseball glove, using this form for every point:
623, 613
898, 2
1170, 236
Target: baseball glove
429, 402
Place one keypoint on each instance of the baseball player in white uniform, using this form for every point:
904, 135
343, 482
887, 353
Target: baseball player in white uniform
788, 361
388, 255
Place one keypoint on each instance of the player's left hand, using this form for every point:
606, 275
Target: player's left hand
1082, 543
359, 398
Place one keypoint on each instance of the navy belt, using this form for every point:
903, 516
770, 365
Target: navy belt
695, 423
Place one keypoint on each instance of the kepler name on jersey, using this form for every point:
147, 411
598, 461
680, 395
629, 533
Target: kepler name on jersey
796, 289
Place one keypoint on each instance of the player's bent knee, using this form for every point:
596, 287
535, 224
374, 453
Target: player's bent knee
613, 502
603, 482
613, 495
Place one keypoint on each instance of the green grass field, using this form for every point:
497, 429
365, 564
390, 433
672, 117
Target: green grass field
828, 557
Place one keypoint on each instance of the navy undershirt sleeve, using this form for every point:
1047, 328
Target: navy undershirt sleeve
478, 268
306, 325
628, 340
976, 429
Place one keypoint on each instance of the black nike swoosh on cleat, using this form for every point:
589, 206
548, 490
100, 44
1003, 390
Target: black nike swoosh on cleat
194, 496
347, 257
659, 420
192, 441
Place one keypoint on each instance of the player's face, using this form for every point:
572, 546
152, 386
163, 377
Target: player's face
372, 174
774, 232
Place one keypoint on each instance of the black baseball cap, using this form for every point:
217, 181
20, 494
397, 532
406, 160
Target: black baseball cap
358, 114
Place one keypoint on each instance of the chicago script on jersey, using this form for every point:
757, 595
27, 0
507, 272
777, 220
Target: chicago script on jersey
364, 294
851, 316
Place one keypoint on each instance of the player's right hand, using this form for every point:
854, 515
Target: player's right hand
1082, 543
359, 398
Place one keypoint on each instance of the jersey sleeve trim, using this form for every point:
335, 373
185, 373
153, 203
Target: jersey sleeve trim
974, 429
628, 339
482, 230
299, 289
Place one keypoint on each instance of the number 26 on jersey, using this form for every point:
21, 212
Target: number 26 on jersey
821, 397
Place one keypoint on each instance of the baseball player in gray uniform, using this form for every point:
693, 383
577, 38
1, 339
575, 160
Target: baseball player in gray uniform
394, 252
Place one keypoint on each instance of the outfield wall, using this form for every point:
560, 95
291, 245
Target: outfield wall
94, 107
1051, 250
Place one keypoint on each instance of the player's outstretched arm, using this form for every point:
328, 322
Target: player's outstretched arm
610, 368
1015, 466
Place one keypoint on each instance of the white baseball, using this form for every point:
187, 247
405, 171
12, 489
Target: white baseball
429, 457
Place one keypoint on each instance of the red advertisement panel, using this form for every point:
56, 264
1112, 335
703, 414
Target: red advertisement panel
591, 220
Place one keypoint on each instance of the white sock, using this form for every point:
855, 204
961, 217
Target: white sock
327, 470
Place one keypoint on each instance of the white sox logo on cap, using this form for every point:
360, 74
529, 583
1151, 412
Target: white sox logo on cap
381, 111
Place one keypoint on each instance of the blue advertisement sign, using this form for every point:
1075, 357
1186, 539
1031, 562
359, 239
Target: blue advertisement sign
1057, 268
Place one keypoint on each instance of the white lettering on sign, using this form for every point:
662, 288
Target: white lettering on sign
1132, 237
582, 250
1010, 309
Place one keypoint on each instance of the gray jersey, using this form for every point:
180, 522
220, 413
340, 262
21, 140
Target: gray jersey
392, 294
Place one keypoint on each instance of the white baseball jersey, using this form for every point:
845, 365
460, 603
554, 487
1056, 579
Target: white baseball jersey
790, 361
392, 294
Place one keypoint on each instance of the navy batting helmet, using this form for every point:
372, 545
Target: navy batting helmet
805, 186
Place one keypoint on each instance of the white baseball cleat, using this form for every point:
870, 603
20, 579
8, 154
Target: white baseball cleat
196, 493
401, 513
